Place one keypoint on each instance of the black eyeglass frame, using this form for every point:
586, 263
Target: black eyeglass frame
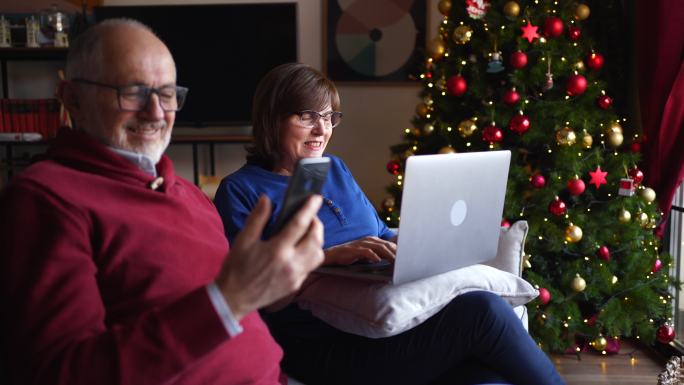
145, 91
319, 116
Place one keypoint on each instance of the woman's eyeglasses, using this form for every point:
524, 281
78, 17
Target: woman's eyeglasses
309, 118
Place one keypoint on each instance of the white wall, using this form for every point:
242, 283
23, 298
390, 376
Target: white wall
375, 115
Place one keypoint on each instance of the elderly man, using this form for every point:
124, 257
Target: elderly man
114, 269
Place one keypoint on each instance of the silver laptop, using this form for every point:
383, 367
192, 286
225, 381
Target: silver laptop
451, 212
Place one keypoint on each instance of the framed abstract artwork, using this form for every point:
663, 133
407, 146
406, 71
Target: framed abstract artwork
374, 41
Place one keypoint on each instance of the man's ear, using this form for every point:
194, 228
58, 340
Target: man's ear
69, 95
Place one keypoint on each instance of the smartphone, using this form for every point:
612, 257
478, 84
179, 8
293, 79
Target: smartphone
307, 180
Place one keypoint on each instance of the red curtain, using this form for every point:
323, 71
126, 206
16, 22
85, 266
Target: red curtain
659, 40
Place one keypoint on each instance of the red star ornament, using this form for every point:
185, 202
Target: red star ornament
530, 32
598, 177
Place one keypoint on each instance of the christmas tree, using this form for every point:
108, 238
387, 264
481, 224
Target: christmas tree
525, 76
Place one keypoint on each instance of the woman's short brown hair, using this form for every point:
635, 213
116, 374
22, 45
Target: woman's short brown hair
283, 91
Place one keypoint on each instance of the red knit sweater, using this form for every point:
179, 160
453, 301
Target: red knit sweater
102, 279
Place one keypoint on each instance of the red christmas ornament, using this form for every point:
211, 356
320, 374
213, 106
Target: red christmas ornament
576, 186
538, 181
604, 101
553, 26
519, 124
393, 167
456, 85
595, 61
604, 253
636, 175
557, 207
598, 177
592, 320
576, 85
529, 32
657, 265
635, 147
505, 223
511, 97
544, 296
574, 33
613, 346
665, 334
492, 134
518, 59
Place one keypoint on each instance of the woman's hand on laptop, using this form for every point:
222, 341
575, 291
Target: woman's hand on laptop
371, 249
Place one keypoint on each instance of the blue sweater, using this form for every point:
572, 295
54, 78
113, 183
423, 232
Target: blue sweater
346, 214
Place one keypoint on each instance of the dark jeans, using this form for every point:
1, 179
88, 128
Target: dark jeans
476, 338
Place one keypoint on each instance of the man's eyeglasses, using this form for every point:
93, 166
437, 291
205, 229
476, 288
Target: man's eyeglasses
135, 97
309, 118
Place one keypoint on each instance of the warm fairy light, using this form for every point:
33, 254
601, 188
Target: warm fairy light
565, 324
574, 44
387, 219
549, 151
427, 116
446, 54
650, 320
429, 85
567, 97
399, 177
399, 183
415, 148
585, 321
407, 130
491, 146
422, 76
443, 93
527, 101
463, 62
546, 219
588, 210
562, 58
543, 316
569, 318
468, 144
586, 258
449, 128
542, 40
603, 352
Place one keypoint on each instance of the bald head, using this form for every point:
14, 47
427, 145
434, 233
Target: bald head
94, 52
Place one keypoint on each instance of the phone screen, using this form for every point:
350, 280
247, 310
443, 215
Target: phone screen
307, 180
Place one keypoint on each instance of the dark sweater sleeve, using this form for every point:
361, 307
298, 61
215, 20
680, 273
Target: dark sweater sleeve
54, 315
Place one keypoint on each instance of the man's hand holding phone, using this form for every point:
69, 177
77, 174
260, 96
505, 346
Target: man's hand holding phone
257, 273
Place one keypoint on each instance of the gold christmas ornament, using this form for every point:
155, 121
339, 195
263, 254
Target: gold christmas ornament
573, 233
581, 12
416, 132
441, 84
579, 65
511, 9
624, 216
428, 128
599, 343
444, 7
578, 284
436, 48
447, 150
643, 219
566, 136
462, 34
388, 203
587, 140
466, 128
648, 194
422, 110
615, 139
613, 127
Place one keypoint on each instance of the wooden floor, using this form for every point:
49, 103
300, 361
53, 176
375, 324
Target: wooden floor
632, 366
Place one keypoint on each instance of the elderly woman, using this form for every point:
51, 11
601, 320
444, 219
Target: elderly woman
476, 338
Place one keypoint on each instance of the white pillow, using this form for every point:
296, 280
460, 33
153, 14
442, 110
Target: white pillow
378, 310
511, 248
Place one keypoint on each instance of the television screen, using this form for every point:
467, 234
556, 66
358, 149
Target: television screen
221, 52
